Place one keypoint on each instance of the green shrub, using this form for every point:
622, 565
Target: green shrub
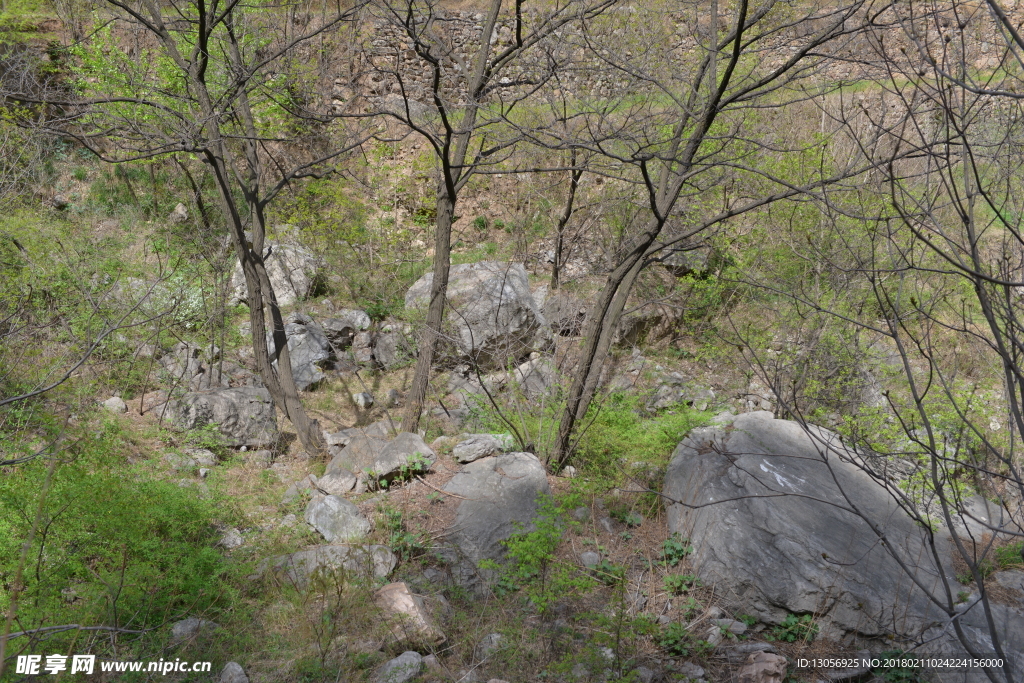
678, 584
533, 566
608, 573
674, 549
115, 547
794, 628
618, 425
678, 642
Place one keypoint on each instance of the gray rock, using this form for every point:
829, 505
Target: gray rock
402, 668
695, 260
650, 323
336, 519
191, 629
731, 625
342, 329
691, 671
644, 675
1010, 578
358, 455
537, 377
115, 405
824, 560
230, 539
308, 350
487, 645
590, 559
292, 271
394, 349
360, 320
979, 517
383, 429
737, 654
762, 667
201, 456
669, 395
336, 482
178, 215
496, 317
501, 497
407, 452
291, 494
476, 446
297, 569
363, 400
191, 458
233, 671
183, 366
565, 313
244, 416
406, 615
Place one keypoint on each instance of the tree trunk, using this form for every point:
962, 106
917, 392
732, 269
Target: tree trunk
260, 292
435, 311
563, 220
600, 332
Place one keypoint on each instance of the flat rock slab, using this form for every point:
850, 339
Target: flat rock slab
773, 532
360, 560
378, 459
476, 446
336, 519
501, 498
243, 416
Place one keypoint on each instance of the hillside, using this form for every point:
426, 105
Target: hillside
582, 341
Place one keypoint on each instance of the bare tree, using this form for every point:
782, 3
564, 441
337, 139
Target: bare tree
687, 123
928, 255
462, 96
234, 86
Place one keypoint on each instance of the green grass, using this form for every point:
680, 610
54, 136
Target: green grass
618, 433
115, 546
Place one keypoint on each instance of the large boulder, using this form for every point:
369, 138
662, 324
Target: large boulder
299, 568
292, 271
495, 315
336, 519
308, 350
243, 416
768, 508
499, 497
378, 459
